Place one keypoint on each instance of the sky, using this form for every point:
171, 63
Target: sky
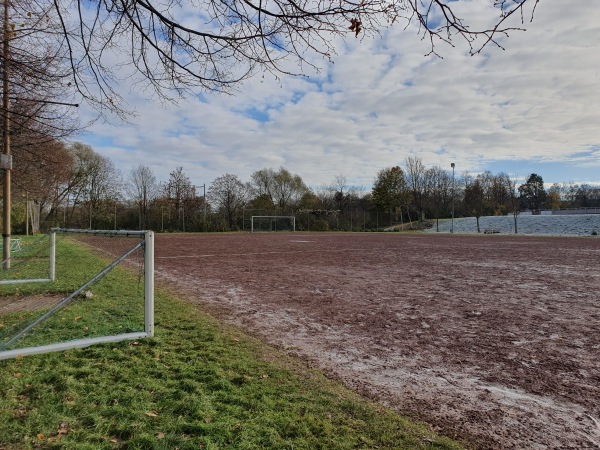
531, 108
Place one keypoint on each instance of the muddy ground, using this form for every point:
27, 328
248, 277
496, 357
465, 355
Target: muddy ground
494, 340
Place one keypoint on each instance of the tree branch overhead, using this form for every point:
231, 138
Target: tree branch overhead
180, 47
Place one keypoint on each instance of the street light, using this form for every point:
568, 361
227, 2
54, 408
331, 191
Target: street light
452, 226
204, 205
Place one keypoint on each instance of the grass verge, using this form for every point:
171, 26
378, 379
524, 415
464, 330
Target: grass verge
197, 384
115, 307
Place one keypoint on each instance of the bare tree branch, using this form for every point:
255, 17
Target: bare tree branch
177, 47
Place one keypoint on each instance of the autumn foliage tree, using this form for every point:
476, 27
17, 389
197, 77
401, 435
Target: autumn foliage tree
38, 176
390, 190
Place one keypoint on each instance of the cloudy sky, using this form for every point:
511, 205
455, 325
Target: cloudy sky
534, 107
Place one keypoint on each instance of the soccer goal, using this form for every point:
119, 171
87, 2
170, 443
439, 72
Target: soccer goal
76, 288
273, 223
32, 261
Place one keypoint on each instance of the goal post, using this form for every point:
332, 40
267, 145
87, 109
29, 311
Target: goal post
28, 255
272, 223
99, 288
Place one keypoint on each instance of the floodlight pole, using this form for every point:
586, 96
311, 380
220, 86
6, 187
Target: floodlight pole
204, 205
203, 186
452, 226
27, 213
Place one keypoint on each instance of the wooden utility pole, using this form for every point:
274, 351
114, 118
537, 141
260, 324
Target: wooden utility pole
6, 162
27, 216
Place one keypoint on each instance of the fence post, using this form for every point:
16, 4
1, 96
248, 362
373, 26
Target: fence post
149, 282
52, 255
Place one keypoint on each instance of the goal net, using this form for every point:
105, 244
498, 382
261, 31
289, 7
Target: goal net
75, 288
273, 223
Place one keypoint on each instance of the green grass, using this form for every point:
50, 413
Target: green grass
110, 311
32, 261
197, 384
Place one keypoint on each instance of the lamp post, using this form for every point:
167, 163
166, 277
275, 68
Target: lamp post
203, 186
26, 213
204, 205
452, 226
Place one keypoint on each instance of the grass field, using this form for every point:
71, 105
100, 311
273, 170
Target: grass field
198, 384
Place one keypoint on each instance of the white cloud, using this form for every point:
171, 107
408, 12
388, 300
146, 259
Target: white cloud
383, 100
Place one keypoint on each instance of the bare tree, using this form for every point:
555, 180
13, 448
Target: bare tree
94, 184
475, 199
33, 63
34, 92
288, 189
229, 194
513, 199
179, 193
143, 188
569, 192
340, 195
438, 189
416, 179
499, 194
262, 187
281, 189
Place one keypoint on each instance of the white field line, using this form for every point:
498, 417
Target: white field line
263, 253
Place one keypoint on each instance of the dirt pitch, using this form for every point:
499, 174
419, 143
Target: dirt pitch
494, 340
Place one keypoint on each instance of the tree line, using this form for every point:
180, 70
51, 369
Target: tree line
73, 186
60, 53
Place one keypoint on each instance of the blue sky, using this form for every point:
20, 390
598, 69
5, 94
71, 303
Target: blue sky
534, 107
